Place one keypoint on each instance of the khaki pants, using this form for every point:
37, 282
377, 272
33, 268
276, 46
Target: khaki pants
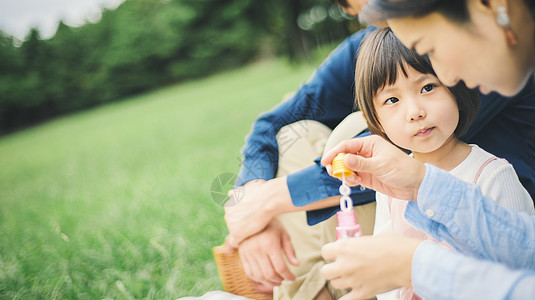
299, 144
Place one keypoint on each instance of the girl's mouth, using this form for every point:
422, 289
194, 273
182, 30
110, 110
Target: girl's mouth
424, 132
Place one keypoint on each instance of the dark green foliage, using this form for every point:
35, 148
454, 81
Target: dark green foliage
146, 44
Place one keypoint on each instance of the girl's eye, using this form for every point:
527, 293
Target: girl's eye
391, 100
427, 88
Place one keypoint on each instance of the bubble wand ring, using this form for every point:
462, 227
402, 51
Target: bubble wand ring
347, 225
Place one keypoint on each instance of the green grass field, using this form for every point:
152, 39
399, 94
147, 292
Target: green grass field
115, 203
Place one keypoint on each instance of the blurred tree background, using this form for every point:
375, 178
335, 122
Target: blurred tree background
147, 44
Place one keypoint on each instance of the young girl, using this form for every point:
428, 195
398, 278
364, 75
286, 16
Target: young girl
403, 101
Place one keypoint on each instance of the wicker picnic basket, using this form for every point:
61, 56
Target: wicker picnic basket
233, 276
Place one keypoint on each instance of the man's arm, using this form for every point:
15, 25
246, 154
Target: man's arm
313, 184
250, 215
327, 97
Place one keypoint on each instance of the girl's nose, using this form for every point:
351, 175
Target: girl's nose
415, 112
417, 117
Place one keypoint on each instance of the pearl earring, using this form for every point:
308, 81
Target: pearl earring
502, 18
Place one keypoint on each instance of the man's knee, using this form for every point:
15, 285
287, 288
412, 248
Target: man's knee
299, 144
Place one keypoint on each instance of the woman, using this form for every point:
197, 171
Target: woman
487, 44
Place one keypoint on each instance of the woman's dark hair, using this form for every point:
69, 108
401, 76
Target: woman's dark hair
455, 10
380, 57
380, 10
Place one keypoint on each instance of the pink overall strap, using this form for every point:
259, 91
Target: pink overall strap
488, 161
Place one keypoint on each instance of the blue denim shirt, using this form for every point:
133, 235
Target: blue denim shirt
504, 127
439, 273
495, 246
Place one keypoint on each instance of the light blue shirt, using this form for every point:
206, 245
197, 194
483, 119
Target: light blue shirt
496, 246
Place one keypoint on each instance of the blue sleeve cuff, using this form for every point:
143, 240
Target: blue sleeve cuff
419, 214
439, 194
313, 184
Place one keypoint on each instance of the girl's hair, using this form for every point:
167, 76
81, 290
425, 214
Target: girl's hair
380, 57
455, 10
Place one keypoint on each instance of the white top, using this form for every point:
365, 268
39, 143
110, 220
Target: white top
497, 179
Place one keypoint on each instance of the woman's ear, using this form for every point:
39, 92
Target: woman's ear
498, 10
501, 8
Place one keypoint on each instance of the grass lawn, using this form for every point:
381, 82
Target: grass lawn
115, 202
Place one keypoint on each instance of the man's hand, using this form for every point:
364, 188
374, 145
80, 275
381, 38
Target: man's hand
379, 165
263, 256
254, 207
369, 265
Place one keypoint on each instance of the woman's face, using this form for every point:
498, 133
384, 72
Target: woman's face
476, 52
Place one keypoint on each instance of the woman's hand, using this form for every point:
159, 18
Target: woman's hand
379, 165
369, 265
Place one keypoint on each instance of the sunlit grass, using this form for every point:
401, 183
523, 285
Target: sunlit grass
115, 202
